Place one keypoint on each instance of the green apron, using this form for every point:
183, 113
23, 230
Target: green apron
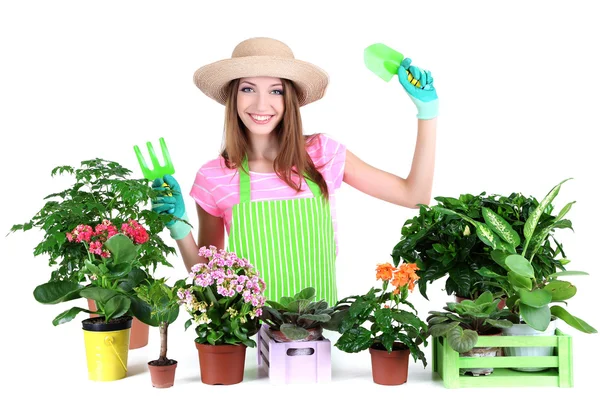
290, 242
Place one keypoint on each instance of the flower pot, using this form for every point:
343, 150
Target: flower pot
221, 364
293, 362
139, 331
390, 368
162, 376
314, 334
525, 330
106, 347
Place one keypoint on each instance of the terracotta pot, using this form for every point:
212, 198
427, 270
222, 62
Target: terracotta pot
390, 368
501, 305
139, 331
221, 364
314, 334
162, 376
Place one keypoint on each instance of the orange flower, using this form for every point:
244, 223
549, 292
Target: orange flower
405, 275
385, 271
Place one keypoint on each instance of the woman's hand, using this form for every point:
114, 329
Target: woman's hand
423, 95
170, 201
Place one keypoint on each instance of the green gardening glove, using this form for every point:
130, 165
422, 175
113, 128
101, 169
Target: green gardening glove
424, 97
173, 204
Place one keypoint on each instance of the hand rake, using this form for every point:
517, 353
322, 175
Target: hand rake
158, 170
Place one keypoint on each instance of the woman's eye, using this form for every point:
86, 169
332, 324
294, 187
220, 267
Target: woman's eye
246, 90
278, 91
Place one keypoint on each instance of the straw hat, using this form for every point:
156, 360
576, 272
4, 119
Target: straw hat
262, 57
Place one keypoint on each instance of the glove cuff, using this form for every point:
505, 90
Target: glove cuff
180, 229
427, 110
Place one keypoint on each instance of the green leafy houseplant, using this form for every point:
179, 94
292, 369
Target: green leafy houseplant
530, 290
462, 323
443, 244
297, 316
163, 302
224, 299
102, 191
388, 325
112, 268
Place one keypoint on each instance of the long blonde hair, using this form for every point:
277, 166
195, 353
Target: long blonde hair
292, 159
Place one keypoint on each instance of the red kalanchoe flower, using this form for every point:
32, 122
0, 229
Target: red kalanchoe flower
135, 231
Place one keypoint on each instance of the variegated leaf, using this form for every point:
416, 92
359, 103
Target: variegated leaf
501, 227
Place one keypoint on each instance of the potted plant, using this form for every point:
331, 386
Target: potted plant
393, 332
530, 291
164, 310
102, 190
297, 318
291, 346
112, 271
462, 324
444, 245
224, 299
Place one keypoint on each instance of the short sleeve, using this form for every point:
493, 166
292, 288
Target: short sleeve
202, 193
330, 155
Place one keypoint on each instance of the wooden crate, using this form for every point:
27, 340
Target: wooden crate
294, 362
447, 364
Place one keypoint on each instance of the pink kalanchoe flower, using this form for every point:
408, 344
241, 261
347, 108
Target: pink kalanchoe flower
82, 233
96, 247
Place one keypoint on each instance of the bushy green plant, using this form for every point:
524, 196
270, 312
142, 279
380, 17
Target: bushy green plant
295, 315
102, 190
529, 290
443, 244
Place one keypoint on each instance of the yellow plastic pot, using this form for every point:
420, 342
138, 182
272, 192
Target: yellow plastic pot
106, 347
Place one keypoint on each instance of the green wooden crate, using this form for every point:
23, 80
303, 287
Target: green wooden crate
446, 363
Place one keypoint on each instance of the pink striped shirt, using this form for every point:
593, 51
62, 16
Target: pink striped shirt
217, 189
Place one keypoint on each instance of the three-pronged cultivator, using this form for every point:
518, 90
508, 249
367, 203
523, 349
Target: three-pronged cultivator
158, 170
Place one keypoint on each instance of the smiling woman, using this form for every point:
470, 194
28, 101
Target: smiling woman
272, 187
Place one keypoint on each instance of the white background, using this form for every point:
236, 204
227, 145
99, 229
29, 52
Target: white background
518, 88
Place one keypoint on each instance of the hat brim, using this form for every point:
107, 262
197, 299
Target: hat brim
310, 80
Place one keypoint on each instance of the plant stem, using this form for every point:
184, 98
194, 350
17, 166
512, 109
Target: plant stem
163, 328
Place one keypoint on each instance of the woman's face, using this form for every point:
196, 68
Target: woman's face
260, 103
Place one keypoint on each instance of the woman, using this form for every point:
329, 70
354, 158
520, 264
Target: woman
272, 187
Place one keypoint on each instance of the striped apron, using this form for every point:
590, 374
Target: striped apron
290, 242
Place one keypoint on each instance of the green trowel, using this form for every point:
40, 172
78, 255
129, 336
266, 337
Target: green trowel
384, 62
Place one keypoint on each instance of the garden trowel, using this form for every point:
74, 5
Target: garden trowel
384, 62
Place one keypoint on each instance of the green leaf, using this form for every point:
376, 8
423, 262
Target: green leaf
519, 281
536, 298
117, 306
121, 248
306, 294
486, 297
499, 257
57, 292
461, 340
567, 273
560, 290
294, 332
442, 329
354, 340
534, 217
501, 227
499, 323
575, 322
67, 315
564, 211
537, 318
520, 265
316, 317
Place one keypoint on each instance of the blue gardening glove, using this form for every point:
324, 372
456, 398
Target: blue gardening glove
171, 204
424, 97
